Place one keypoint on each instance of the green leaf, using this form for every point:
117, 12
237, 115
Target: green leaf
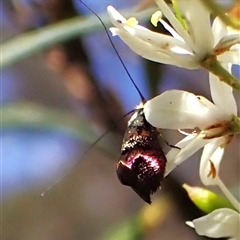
34, 116
30, 43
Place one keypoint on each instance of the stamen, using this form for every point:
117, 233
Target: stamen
156, 17
132, 22
213, 172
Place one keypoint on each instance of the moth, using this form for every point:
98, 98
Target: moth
142, 162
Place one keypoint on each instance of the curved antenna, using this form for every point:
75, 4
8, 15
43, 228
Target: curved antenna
120, 59
43, 194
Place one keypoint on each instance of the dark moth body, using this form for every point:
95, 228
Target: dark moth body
142, 163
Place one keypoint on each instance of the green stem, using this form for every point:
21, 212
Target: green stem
218, 11
30, 43
35, 116
212, 65
235, 125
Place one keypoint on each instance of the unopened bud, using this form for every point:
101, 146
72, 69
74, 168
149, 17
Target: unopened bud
206, 200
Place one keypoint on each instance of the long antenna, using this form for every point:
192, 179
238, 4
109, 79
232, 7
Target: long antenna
110, 39
43, 194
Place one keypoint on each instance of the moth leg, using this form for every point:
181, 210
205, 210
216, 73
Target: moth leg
170, 145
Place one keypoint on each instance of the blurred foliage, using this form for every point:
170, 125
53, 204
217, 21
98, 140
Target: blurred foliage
137, 226
30, 43
25, 115
229, 19
32, 115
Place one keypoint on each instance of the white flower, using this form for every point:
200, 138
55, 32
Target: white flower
187, 47
223, 222
177, 109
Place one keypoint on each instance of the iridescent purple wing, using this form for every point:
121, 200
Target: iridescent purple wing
142, 163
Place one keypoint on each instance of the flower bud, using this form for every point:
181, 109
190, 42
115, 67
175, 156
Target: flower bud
206, 200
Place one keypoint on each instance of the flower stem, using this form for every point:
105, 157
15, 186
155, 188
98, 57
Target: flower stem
219, 11
235, 125
228, 194
212, 65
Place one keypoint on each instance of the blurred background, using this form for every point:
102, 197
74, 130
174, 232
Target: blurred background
55, 103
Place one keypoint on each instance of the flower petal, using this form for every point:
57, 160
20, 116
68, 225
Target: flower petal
115, 15
222, 222
175, 23
151, 45
188, 146
219, 30
225, 38
217, 112
212, 152
231, 56
197, 17
227, 42
149, 51
161, 41
222, 96
171, 30
168, 50
177, 109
